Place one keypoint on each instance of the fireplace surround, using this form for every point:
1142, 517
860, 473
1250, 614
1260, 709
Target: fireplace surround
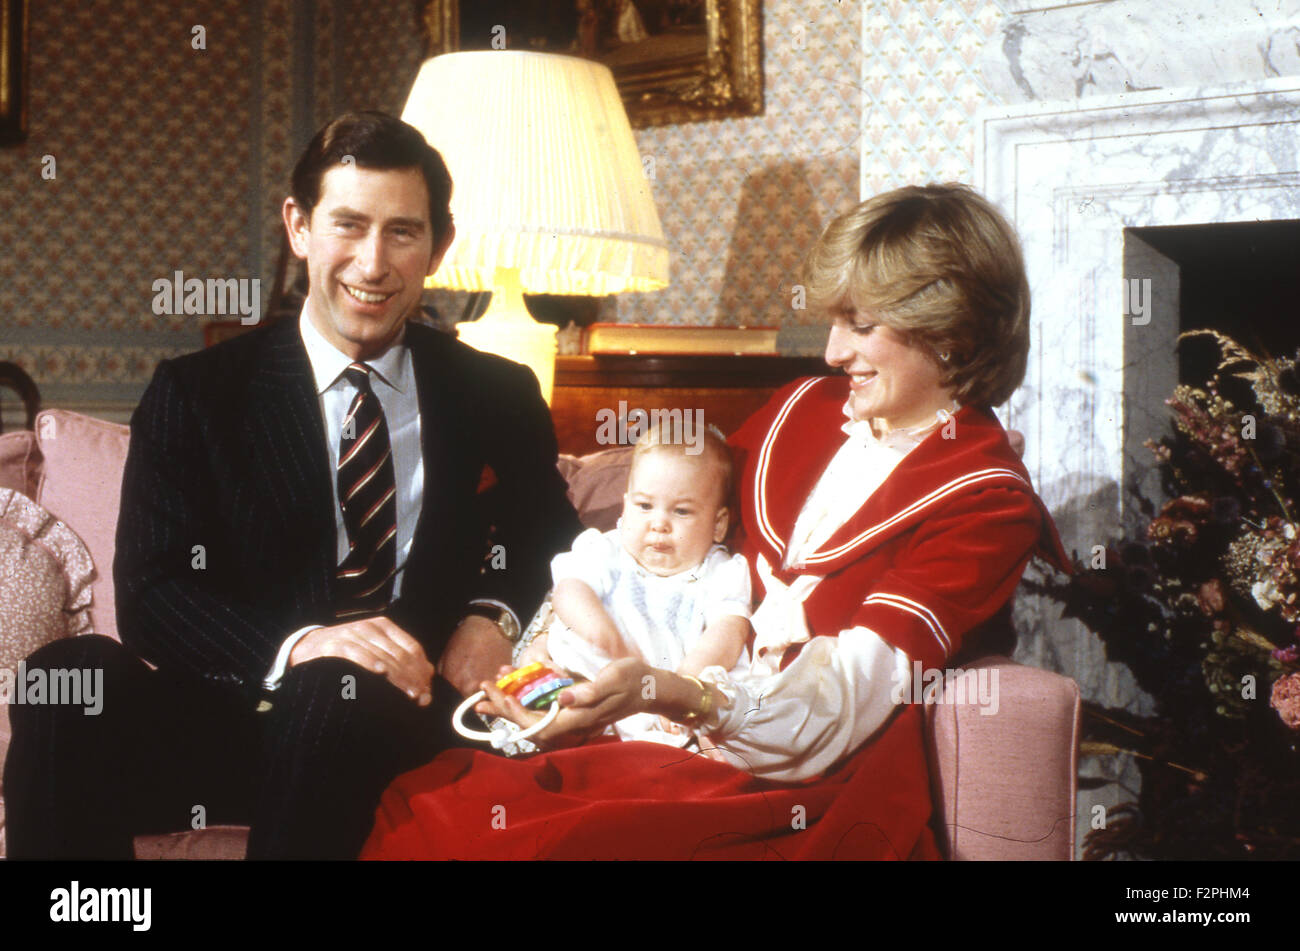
1077, 178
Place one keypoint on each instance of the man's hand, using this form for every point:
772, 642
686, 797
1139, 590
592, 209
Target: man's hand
376, 644
474, 652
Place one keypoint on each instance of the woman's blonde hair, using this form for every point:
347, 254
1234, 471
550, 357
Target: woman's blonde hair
940, 265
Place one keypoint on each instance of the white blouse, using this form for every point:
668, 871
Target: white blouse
795, 724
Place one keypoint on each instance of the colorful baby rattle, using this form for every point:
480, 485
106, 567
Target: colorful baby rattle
535, 686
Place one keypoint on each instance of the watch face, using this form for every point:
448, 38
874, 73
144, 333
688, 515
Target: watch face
509, 626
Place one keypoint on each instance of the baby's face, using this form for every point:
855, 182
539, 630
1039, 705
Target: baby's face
673, 511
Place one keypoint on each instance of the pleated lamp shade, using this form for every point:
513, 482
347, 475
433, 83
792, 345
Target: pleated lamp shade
549, 194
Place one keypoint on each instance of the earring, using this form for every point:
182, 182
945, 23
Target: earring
945, 356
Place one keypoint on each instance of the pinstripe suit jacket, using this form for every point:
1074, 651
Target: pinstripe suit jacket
225, 541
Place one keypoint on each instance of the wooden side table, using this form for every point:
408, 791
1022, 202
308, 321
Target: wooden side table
727, 388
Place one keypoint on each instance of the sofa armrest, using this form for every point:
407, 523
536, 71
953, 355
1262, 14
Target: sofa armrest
1003, 744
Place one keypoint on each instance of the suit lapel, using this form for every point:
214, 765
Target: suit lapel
287, 438
438, 443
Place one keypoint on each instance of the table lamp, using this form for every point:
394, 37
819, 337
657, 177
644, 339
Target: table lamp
549, 194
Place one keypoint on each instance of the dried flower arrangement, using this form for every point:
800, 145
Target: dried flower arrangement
1203, 608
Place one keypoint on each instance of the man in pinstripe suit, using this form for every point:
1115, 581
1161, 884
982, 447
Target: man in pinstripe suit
300, 540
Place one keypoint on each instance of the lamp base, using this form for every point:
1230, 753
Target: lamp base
508, 330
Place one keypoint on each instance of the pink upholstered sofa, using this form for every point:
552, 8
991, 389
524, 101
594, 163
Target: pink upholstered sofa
1004, 784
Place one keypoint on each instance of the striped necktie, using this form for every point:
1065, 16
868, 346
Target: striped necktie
368, 495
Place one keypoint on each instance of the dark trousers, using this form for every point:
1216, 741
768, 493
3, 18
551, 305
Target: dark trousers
165, 752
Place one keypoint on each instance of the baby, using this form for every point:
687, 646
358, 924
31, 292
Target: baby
660, 586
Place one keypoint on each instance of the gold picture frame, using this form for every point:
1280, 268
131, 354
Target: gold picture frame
13, 71
674, 61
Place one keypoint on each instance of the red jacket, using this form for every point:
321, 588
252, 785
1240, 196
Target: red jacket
936, 550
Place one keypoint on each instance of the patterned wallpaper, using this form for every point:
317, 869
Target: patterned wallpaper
274, 123
922, 85
742, 200
171, 158
384, 52
153, 163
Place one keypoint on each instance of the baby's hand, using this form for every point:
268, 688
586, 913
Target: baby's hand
535, 652
669, 726
713, 752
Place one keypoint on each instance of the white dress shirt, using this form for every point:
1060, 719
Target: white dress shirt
392, 380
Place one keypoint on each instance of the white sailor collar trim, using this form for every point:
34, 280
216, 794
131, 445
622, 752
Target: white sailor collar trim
871, 534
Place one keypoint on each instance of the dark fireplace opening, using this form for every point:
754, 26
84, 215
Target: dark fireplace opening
1240, 278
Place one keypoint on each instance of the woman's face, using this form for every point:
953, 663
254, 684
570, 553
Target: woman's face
890, 379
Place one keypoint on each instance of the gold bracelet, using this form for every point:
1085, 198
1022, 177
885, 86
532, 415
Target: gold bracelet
706, 703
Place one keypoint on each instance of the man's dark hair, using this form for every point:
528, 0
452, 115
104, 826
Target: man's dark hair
374, 140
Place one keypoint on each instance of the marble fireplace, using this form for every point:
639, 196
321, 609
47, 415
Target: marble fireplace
1077, 178
1135, 118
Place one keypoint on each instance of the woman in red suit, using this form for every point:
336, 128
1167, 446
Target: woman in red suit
887, 521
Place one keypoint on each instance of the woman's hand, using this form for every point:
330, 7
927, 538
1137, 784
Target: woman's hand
619, 690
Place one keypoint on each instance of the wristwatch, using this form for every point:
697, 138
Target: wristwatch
502, 618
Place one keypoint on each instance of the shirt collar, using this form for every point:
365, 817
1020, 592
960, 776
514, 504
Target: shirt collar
859, 430
328, 362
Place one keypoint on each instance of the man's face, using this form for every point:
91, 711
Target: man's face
368, 246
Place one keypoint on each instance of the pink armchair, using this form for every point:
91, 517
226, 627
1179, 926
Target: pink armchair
1004, 784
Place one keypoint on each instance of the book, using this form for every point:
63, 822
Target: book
675, 339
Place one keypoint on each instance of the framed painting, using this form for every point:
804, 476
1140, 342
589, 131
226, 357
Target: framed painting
13, 71
674, 60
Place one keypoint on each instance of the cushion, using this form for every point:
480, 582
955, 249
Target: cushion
20, 462
45, 574
81, 483
597, 484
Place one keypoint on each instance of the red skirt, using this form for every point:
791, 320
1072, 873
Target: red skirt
614, 800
